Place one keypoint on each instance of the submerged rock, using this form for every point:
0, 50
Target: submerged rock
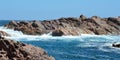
13, 50
116, 45
70, 26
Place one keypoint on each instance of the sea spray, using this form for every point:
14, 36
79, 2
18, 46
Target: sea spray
19, 34
85, 46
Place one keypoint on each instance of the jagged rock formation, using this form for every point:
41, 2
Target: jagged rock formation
69, 26
2, 33
13, 50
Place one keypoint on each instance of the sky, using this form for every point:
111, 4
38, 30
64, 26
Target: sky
54, 9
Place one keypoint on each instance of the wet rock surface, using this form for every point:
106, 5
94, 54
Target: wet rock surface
69, 26
13, 50
2, 33
116, 45
57, 33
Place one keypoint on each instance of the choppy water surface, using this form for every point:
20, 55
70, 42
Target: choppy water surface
84, 47
89, 48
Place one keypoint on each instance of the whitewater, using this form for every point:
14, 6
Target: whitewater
82, 47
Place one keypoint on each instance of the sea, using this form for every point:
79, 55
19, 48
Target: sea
82, 47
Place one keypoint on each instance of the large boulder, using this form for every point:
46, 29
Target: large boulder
83, 17
116, 45
36, 24
12, 24
57, 33
115, 20
23, 22
13, 50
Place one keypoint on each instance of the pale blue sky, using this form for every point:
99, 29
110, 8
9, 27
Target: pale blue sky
52, 9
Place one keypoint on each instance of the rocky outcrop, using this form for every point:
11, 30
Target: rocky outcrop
2, 33
57, 33
13, 50
116, 45
69, 26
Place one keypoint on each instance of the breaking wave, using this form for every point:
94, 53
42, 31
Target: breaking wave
83, 37
86, 40
62, 45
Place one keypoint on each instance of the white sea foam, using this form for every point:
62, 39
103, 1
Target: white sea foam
18, 35
11, 32
102, 42
107, 47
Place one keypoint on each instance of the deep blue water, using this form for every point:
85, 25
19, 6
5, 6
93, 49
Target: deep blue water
3, 22
75, 49
84, 47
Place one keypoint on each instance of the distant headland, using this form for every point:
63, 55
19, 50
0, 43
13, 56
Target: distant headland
69, 26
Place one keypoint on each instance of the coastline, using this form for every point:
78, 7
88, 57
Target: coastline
69, 26
86, 31
79, 41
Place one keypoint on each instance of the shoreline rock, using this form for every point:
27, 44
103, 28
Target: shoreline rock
2, 33
57, 33
116, 45
70, 26
14, 50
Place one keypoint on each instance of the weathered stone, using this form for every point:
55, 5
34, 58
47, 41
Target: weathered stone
12, 24
82, 17
2, 33
23, 22
13, 50
57, 33
70, 26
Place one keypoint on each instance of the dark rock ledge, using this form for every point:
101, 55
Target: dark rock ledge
14, 50
116, 45
69, 26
